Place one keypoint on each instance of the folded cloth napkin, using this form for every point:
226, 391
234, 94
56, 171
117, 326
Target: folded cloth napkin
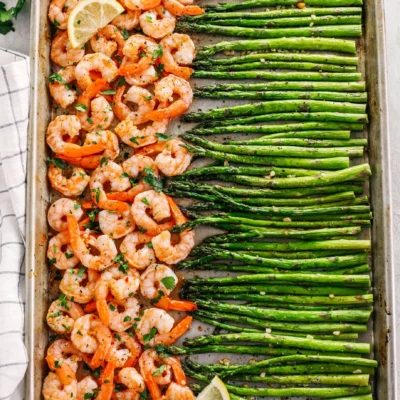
14, 99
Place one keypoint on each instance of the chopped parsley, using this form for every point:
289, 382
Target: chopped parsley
150, 335
80, 107
157, 53
57, 162
125, 34
151, 179
168, 282
159, 370
162, 137
109, 91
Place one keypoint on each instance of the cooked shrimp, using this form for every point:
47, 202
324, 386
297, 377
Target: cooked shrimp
141, 4
64, 352
53, 389
157, 282
68, 125
137, 95
178, 8
157, 204
150, 362
107, 139
125, 350
113, 174
59, 210
60, 89
153, 318
169, 253
60, 251
142, 52
137, 165
94, 112
62, 52
157, 23
62, 314
178, 49
138, 258
59, 11
134, 382
172, 158
121, 283
104, 245
164, 249
134, 137
178, 392
116, 224
104, 138
75, 284
157, 277
70, 187
95, 62
107, 387
144, 78
164, 91
86, 388
128, 20
92, 337
108, 41
120, 321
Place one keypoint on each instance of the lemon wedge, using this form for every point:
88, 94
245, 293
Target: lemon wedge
216, 390
88, 17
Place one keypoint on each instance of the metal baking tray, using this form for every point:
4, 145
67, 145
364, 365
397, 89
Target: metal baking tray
372, 54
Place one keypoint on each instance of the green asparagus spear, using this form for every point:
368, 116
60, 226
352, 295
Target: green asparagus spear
267, 107
278, 13
280, 341
326, 178
243, 5
334, 328
262, 289
341, 301
283, 22
300, 43
322, 163
296, 360
250, 350
316, 279
292, 264
299, 142
285, 95
241, 170
358, 316
361, 269
292, 116
291, 369
275, 86
356, 245
280, 151
332, 31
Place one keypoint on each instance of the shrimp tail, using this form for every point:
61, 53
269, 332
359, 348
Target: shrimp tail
88, 162
107, 387
175, 305
176, 212
82, 151
64, 371
101, 306
155, 392
177, 331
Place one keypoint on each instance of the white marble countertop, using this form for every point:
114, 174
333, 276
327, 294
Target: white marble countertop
19, 41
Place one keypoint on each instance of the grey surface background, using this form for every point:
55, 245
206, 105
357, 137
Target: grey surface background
19, 41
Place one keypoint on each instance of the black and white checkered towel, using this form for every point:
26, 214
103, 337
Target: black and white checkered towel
14, 101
